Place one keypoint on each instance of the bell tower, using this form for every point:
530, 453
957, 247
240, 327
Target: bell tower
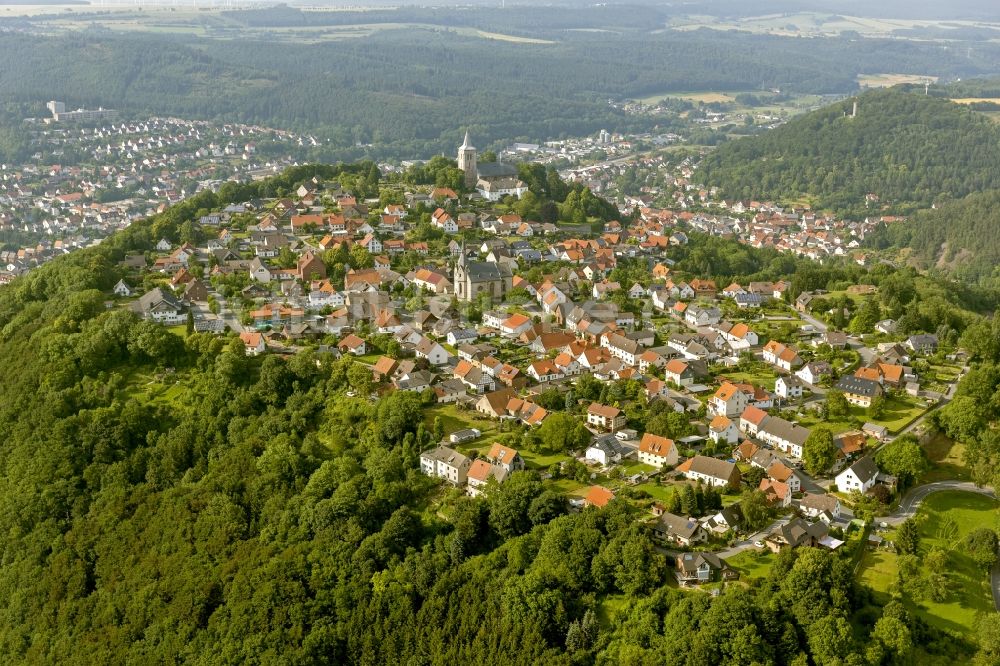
467, 162
460, 273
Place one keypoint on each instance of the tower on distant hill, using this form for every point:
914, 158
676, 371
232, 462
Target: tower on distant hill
467, 162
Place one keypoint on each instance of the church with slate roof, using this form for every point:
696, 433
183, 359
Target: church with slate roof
492, 180
474, 278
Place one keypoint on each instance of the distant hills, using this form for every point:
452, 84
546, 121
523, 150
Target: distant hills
907, 148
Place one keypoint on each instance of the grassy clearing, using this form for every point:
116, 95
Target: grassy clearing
970, 590
887, 80
753, 563
704, 97
511, 38
453, 419
947, 458
764, 377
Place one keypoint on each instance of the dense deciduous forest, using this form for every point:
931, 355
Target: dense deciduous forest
908, 149
959, 237
256, 513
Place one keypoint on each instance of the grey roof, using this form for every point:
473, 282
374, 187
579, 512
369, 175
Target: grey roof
495, 170
690, 562
445, 455
623, 343
786, 430
865, 469
479, 271
819, 502
858, 386
674, 525
152, 299
719, 469
799, 531
610, 445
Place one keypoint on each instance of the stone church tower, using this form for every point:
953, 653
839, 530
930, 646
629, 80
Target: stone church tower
467, 162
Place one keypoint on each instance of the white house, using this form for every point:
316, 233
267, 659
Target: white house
253, 342
657, 451
445, 463
712, 471
860, 476
606, 450
788, 388
722, 429
432, 351
122, 289
728, 401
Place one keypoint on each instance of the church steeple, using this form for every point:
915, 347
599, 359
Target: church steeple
467, 162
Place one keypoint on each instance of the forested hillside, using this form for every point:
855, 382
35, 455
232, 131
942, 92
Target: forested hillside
959, 237
412, 91
906, 148
168, 499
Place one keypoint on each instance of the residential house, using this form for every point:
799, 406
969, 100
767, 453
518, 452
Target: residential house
788, 388
775, 492
779, 471
825, 507
253, 342
814, 371
445, 463
860, 476
432, 351
680, 530
160, 306
859, 391
702, 567
657, 451
505, 457
712, 471
783, 435
352, 344
922, 344
606, 450
797, 533
722, 429
781, 355
122, 289
728, 400
605, 417
678, 372
598, 496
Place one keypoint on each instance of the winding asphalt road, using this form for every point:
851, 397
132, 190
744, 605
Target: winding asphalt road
911, 502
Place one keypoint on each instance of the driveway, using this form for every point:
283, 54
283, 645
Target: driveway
747, 543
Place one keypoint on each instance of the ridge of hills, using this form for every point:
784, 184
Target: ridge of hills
907, 149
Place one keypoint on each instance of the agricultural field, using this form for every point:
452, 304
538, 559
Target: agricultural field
889, 80
976, 100
969, 589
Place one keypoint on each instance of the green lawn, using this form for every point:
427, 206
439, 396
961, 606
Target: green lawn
970, 590
453, 418
764, 377
657, 492
753, 563
947, 458
540, 461
899, 412
179, 330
